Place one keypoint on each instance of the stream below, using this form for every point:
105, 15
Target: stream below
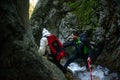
98, 72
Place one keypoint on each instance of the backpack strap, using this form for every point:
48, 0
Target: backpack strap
78, 41
86, 49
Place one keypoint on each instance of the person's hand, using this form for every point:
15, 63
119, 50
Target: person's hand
88, 59
45, 57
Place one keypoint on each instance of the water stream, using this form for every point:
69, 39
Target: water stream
98, 72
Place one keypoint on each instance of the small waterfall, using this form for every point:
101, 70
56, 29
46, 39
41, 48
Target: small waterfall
98, 72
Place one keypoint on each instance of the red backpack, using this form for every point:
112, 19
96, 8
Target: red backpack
56, 47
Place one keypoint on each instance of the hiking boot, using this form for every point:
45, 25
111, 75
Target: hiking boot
64, 71
68, 70
87, 69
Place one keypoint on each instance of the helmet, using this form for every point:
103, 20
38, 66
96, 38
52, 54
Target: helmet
45, 32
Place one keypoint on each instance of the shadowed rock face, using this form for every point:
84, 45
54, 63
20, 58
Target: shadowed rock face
19, 59
59, 19
109, 35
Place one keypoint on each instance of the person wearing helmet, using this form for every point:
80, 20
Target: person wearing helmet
43, 43
45, 49
79, 42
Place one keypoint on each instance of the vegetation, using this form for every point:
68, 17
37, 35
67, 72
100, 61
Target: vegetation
86, 11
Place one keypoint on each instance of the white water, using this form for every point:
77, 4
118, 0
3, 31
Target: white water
98, 73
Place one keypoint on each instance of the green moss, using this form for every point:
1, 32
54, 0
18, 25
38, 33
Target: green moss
85, 10
74, 5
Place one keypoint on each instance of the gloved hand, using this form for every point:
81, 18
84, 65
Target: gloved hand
45, 57
50, 58
89, 60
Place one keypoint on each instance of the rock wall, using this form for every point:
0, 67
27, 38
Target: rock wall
55, 16
109, 34
102, 16
19, 59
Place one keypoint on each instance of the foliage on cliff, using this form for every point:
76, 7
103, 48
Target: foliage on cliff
86, 11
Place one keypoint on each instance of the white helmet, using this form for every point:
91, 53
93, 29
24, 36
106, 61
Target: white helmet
45, 32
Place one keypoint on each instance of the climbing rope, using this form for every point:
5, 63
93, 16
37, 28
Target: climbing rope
90, 69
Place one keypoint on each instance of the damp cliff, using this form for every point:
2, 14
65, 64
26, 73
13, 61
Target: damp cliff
19, 59
101, 16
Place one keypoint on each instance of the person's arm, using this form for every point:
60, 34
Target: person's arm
68, 44
43, 43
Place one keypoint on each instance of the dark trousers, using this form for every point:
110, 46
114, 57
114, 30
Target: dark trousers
58, 64
75, 56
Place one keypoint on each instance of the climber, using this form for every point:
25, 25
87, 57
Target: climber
51, 48
82, 48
